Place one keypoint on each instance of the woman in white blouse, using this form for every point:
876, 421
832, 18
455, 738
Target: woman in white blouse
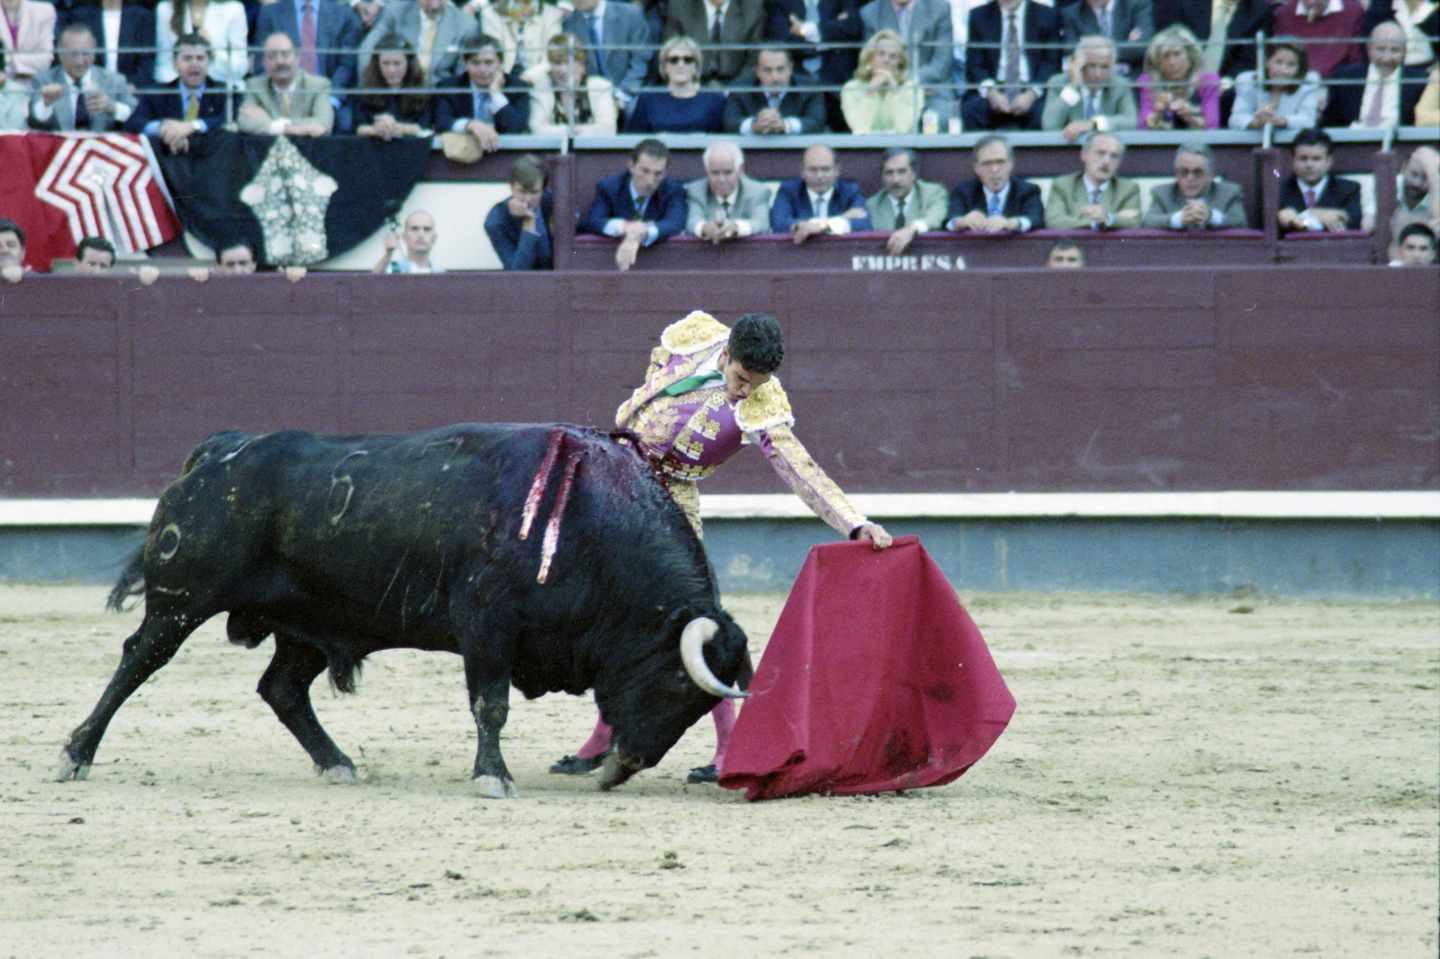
1289, 96
562, 93
222, 22
523, 28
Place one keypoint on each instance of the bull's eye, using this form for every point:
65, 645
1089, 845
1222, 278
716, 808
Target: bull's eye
682, 678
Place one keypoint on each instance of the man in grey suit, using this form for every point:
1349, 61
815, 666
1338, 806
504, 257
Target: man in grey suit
1088, 96
1195, 201
606, 25
930, 38
286, 100
437, 29
725, 204
907, 205
76, 94
1129, 24
1095, 198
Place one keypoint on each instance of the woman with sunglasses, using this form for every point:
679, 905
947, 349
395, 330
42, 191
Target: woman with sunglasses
683, 107
404, 108
881, 98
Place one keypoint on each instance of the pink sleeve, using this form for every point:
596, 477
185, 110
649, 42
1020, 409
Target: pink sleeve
793, 463
36, 48
1208, 90
1147, 99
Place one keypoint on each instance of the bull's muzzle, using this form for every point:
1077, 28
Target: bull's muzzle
693, 638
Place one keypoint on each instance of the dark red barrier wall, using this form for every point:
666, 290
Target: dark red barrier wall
1158, 379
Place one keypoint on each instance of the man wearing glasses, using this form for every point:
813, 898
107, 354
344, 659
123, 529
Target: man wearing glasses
1195, 201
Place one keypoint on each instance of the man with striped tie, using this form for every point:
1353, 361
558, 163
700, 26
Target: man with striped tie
1310, 198
186, 105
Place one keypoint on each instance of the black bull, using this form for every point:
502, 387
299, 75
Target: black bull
549, 557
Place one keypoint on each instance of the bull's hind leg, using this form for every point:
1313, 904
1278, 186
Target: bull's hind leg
151, 646
286, 688
489, 650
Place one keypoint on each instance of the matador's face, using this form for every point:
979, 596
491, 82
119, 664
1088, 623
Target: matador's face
739, 382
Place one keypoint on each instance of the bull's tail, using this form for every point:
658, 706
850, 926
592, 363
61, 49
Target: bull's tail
131, 582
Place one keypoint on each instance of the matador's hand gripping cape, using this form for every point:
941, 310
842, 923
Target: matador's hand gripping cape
688, 436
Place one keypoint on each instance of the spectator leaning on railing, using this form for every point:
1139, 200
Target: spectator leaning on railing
1416, 246
286, 100
125, 33
640, 207
1088, 96
397, 104
779, 107
1310, 198
76, 94
906, 205
1289, 95
488, 102
222, 23
882, 97
1096, 198
820, 201
725, 204
1196, 200
1381, 94
1175, 94
995, 201
565, 97
188, 105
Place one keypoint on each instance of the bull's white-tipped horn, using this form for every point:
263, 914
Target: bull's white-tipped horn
693, 638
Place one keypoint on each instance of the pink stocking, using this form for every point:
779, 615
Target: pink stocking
599, 741
724, 716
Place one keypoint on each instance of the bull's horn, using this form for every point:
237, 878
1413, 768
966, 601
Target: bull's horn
693, 638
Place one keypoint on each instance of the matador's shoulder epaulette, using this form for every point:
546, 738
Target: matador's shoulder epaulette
694, 333
764, 409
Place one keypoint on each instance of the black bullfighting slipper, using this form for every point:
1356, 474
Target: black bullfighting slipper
575, 766
703, 774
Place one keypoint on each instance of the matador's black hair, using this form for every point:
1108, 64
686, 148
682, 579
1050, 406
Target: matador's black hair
757, 343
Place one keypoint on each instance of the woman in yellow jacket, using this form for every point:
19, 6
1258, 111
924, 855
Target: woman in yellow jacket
881, 98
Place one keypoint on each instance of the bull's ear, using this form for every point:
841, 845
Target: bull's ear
677, 619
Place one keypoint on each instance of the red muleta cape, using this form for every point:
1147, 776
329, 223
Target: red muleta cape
875, 679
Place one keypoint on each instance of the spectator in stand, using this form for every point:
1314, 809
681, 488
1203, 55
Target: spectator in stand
405, 108
27, 39
524, 29
1382, 94
1196, 200
94, 255
1065, 255
125, 33
829, 32
995, 201
519, 226
1417, 246
188, 105
1418, 200
640, 207
1427, 110
725, 204
1127, 24
222, 24
683, 107
923, 27
906, 206
325, 35
1289, 96
12, 251
436, 30
1310, 198
1014, 51
1095, 198
1088, 96
490, 103
565, 97
881, 98
1174, 93
286, 100
718, 23
820, 201
1225, 29
420, 237
608, 26
1420, 19
236, 259
779, 107
1330, 29
76, 94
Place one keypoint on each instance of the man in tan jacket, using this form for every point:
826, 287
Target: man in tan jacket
286, 100
1095, 198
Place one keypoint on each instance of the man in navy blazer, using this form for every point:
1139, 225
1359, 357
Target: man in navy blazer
828, 46
640, 207
1354, 85
168, 115
819, 202
614, 23
337, 36
487, 102
989, 104
1310, 198
519, 225
137, 30
995, 201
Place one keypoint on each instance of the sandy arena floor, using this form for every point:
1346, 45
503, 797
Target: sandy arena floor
1214, 777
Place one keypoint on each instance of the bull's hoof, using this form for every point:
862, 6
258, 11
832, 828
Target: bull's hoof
71, 769
339, 775
493, 787
618, 768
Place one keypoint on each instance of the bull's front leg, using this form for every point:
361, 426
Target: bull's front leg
487, 677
